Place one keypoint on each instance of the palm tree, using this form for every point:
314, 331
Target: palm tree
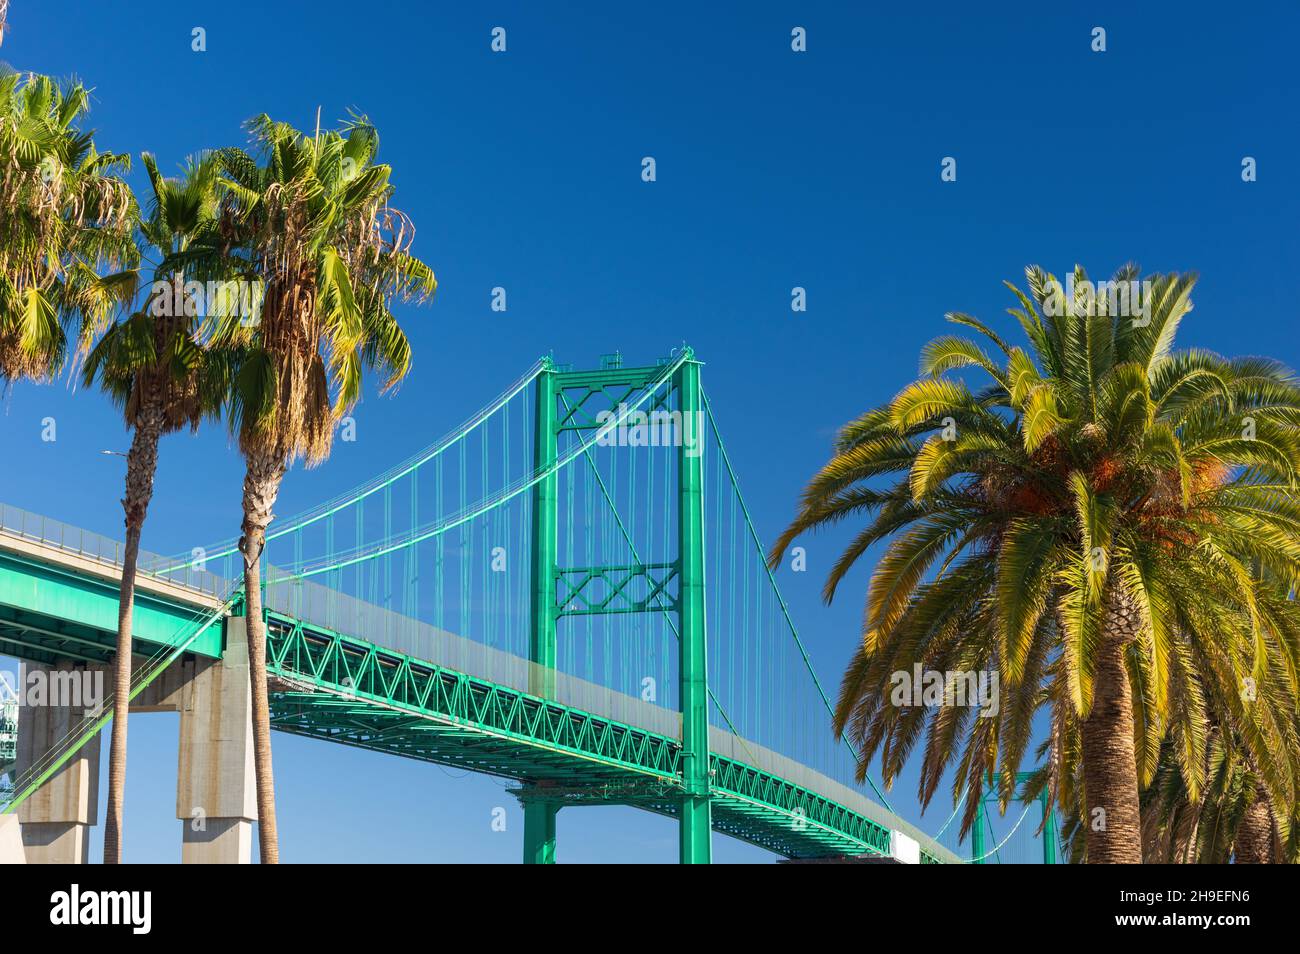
154, 367
1087, 526
1257, 837
311, 222
1233, 819
64, 214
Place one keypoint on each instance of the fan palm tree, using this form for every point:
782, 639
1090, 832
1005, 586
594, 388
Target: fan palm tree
1087, 526
311, 222
153, 365
64, 214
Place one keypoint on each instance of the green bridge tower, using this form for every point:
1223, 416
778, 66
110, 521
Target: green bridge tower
561, 405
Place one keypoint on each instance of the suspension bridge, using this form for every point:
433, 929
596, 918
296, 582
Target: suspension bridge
566, 591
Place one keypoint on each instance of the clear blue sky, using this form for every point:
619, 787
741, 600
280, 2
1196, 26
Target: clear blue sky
775, 169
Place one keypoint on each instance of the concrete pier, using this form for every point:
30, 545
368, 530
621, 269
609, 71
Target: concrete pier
57, 818
11, 841
216, 795
216, 791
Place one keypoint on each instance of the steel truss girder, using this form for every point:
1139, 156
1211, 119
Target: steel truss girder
361, 674
634, 791
575, 581
818, 822
352, 692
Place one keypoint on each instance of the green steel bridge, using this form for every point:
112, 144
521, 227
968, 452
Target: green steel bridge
566, 591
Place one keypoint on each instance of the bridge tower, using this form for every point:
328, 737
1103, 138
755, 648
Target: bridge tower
688, 566
979, 851
692, 664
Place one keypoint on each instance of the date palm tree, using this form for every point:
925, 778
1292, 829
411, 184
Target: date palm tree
64, 215
310, 219
1089, 525
153, 365
1234, 818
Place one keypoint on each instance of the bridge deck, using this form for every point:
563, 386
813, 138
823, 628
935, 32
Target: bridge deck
59, 594
422, 693
566, 739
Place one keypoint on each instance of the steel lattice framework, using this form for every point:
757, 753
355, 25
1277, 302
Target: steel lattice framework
341, 688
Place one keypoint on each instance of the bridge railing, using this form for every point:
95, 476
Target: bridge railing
89, 545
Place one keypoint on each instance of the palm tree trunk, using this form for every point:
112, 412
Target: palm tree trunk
261, 485
141, 465
1113, 825
1254, 844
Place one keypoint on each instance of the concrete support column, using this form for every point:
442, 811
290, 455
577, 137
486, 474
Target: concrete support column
56, 819
216, 794
11, 841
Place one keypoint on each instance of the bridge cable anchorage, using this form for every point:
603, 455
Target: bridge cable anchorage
374, 485
785, 610
492, 501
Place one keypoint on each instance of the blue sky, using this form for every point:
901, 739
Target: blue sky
775, 169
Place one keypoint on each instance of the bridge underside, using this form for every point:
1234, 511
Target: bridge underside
52, 612
39, 638
552, 774
340, 689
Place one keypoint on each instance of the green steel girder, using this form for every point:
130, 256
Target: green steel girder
810, 816
41, 639
745, 819
595, 379
456, 707
640, 792
578, 418
70, 615
615, 581
348, 691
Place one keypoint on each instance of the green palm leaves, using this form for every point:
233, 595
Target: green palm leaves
259, 285
155, 356
312, 223
64, 214
1095, 474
